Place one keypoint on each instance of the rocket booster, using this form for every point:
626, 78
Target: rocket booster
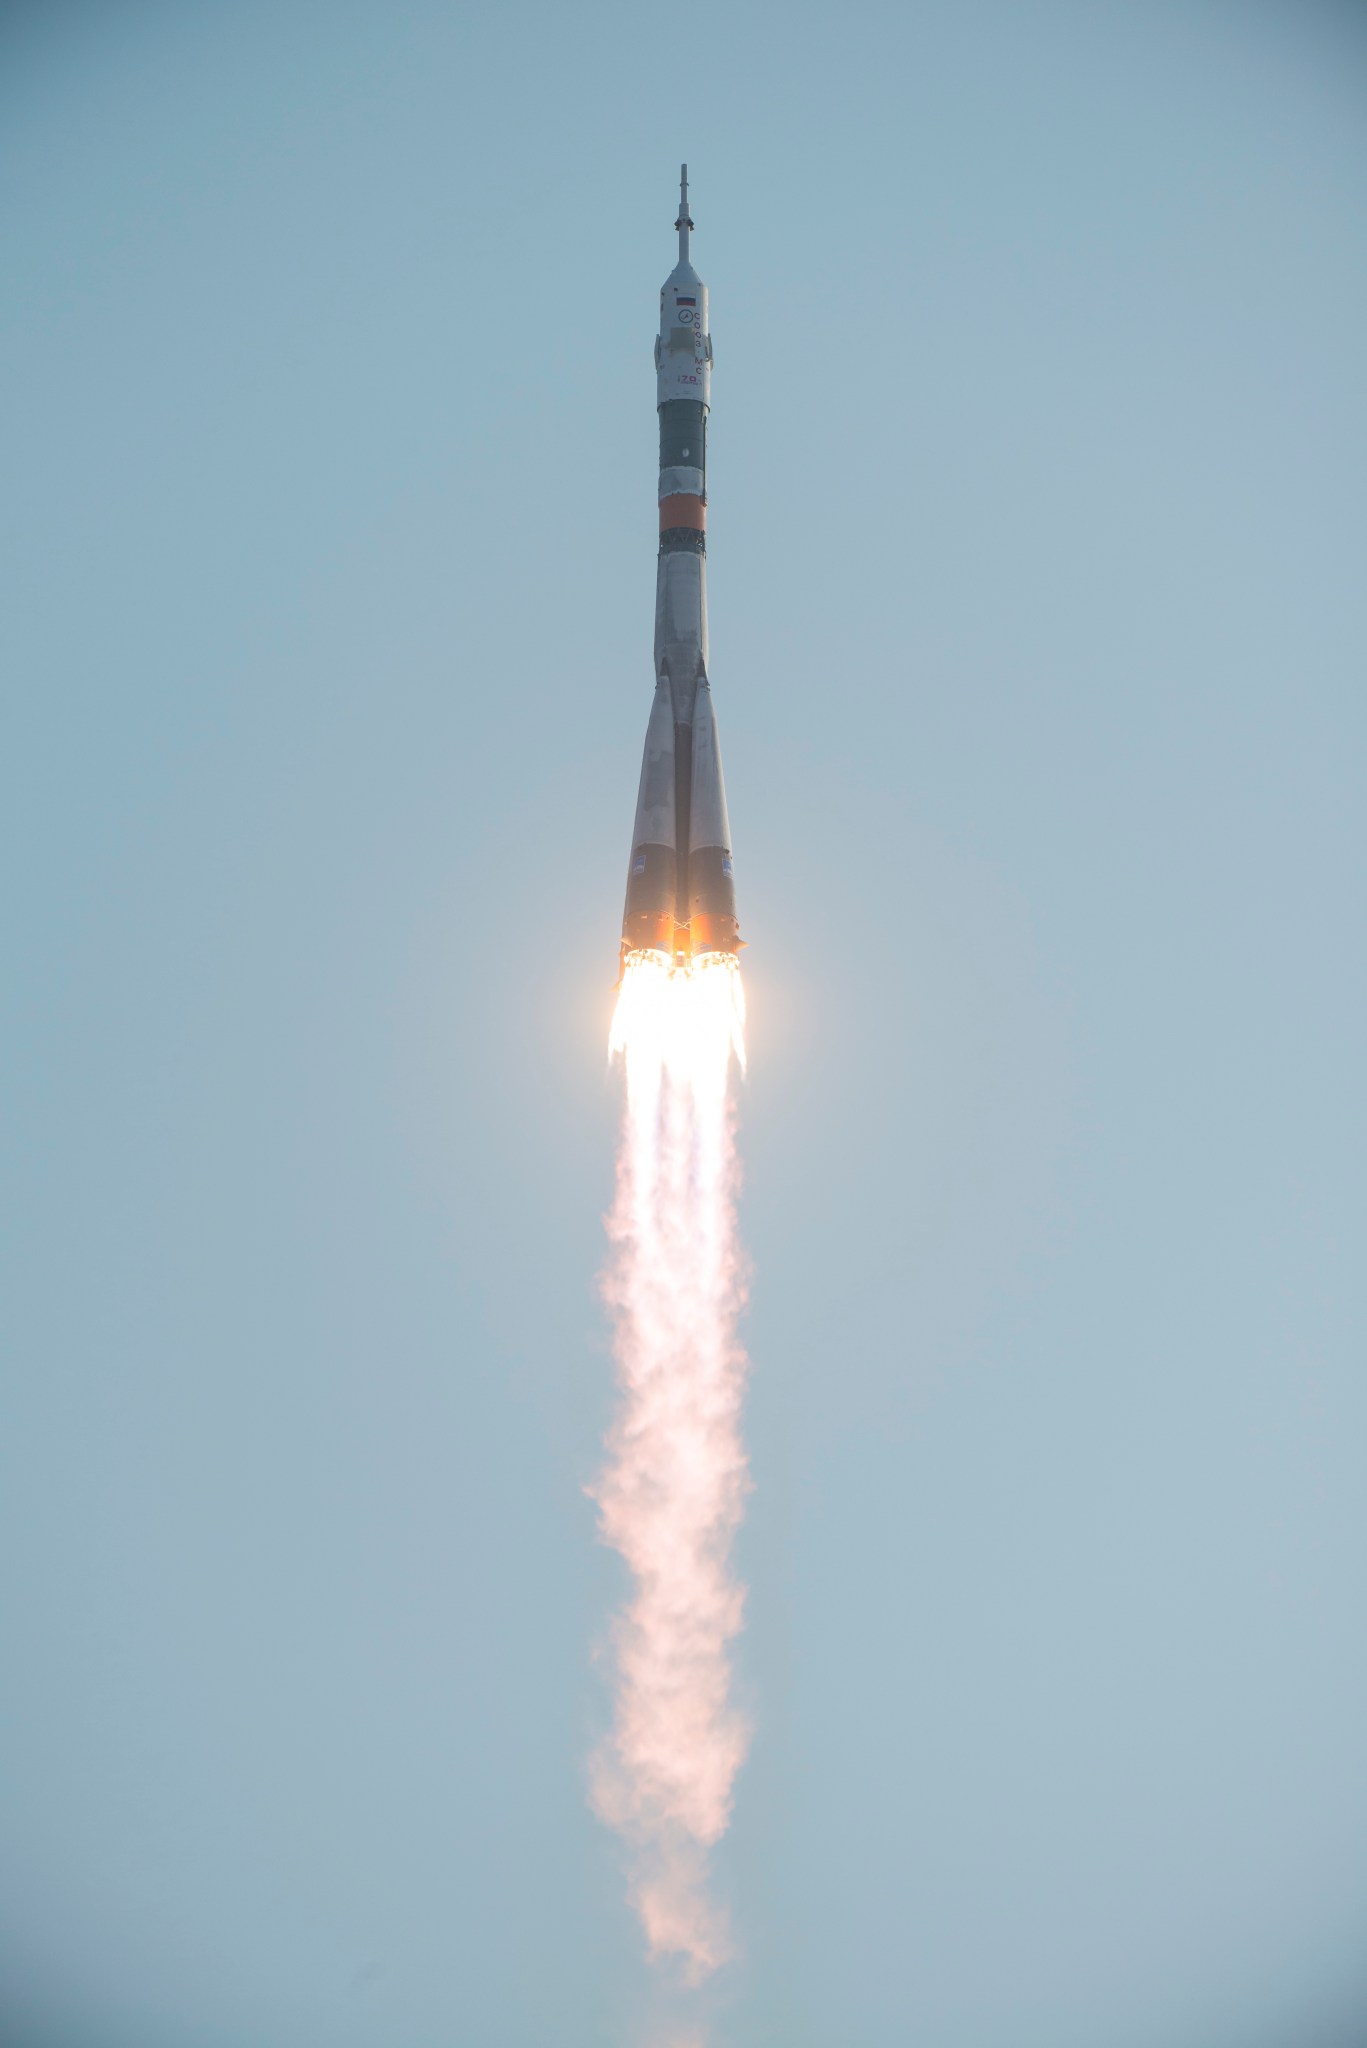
681, 896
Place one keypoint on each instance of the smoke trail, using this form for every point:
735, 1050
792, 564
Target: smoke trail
672, 1493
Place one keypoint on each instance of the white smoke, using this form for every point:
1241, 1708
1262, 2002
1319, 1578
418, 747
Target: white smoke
672, 1493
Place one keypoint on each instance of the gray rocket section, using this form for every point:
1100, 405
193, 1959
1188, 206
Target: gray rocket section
653, 882
711, 885
680, 888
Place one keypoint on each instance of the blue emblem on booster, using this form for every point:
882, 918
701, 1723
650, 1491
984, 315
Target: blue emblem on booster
726, 867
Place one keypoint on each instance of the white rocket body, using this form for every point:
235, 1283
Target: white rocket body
680, 885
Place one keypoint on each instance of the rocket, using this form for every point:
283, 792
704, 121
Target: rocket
681, 895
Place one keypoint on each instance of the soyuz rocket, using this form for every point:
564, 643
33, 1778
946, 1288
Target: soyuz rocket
681, 894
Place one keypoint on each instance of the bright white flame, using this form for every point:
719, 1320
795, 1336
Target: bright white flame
672, 1494
682, 1021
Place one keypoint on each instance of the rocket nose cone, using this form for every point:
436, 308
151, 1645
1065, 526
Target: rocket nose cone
684, 223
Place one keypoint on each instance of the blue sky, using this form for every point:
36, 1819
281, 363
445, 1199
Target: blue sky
1038, 618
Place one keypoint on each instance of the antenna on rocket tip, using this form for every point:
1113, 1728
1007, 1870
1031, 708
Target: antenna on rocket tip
683, 223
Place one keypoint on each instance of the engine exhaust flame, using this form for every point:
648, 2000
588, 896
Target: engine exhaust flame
672, 1493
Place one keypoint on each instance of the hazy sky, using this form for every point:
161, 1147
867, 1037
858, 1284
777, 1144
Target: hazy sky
1039, 620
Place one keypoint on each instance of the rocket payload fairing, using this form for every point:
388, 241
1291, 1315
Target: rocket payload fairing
681, 895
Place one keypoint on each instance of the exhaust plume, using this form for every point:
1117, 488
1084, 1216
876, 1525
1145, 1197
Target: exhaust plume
672, 1493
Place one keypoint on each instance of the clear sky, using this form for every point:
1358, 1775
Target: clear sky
1039, 625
